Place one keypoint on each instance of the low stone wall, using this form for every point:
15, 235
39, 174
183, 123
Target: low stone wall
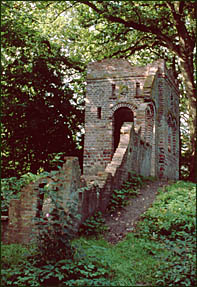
20, 226
92, 193
132, 154
4, 227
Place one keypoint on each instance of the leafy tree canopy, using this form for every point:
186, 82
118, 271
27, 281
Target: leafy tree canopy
54, 41
41, 114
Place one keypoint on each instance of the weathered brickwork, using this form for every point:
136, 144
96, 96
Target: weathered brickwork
114, 88
131, 124
20, 226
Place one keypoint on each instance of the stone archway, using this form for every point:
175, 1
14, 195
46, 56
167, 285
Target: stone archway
121, 115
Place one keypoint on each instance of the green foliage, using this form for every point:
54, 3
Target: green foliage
173, 212
54, 260
56, 229
16, 269
130, 188
149, 256
11, 187
178, 266
54, 237
135, 181
129, 261
171, 220
118, 199
15, 254
93, 225
41, 114
64, 272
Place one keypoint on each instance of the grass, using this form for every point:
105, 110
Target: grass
129, 261
15, 254
160, 252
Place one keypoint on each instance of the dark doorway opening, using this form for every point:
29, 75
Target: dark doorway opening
121, 115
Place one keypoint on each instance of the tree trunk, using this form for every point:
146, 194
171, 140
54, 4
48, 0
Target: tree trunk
187, 72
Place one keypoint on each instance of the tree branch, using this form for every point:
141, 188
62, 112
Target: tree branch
132, 49
132, 24
70, 63
177, 12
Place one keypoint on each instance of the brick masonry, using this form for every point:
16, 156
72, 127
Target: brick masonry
152, 96
20, 226
131, 124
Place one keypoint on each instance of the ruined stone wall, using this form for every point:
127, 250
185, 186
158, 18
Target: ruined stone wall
167, 125
148, 143
132, 154
94, 196
20, 225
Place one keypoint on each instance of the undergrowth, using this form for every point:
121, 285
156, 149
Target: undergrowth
160, 252
94, 225
25, 269
129, 189
162, 249
171, 222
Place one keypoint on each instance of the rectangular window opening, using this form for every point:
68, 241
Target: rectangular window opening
99, 112
137, 89
113, 94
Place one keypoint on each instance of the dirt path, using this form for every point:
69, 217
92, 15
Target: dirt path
124, 220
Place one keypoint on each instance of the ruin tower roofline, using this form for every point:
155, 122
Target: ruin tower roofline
115, 89
114, 68
122, 68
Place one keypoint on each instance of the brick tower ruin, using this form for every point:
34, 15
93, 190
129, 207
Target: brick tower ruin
148, 97
131, 124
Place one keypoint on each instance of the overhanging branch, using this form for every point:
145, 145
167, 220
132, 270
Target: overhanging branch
130, 23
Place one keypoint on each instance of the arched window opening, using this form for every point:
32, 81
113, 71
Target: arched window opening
120, 116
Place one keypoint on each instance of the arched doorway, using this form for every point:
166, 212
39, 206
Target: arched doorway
120, 116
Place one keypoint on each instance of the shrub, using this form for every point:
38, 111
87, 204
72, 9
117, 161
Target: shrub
135, 181
129, 188
11, 187
15, 254
173, 213
55, 232
93, 225
27, 271
178, 266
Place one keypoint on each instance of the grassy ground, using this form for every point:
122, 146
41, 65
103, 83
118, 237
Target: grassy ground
129, 261
161, 251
